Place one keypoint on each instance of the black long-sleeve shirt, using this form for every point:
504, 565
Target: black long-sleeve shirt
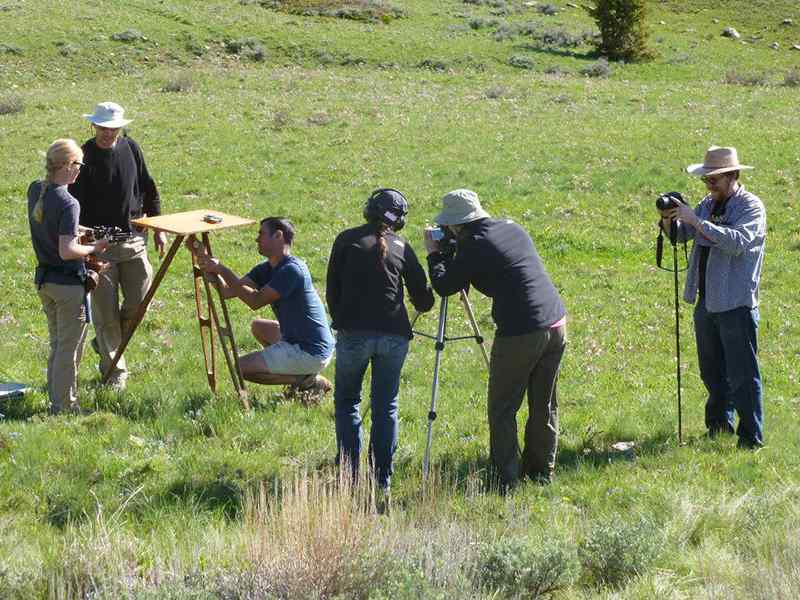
366, 294
498, 258
114, 185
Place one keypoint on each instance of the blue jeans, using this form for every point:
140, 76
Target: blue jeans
727, 348
354, 352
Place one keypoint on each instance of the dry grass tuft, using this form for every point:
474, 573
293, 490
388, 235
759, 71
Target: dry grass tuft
306, 540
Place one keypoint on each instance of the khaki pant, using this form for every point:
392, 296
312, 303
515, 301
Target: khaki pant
518, 363
66, 324
131, 273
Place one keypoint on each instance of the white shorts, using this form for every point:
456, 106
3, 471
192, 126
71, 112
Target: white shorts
289, 359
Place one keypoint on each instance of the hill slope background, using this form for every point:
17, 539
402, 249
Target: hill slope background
258, 108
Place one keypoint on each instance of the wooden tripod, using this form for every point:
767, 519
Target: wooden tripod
191, 223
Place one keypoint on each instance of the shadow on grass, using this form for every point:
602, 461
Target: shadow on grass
478, 472
474, 474
591, 55
223, 494
599, 453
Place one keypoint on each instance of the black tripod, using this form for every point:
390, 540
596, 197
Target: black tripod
441, 338
673, 239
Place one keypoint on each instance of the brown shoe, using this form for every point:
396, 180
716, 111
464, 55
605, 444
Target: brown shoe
315, 383
309, 389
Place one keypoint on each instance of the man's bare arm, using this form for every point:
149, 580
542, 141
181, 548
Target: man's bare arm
239, 287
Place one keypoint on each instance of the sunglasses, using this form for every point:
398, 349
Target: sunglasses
78, 163
712, 179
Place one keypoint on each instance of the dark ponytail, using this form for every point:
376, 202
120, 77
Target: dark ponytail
383, 247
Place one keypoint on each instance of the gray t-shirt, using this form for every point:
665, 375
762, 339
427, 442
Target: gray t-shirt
57, 215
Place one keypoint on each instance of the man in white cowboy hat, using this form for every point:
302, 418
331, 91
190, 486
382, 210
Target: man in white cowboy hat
498, 258
729, 227
114, 187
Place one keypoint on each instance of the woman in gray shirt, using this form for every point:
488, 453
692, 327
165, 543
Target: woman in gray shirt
60, 271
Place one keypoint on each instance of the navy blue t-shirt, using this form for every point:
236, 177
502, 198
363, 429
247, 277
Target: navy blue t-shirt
299, 311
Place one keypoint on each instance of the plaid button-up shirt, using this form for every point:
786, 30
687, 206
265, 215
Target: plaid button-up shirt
736, 241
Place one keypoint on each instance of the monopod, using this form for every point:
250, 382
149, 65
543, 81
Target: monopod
673, 239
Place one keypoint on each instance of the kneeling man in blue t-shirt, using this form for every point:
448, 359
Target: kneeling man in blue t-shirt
299, 344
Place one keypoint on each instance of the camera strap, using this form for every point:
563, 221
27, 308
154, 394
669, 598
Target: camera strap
660, 252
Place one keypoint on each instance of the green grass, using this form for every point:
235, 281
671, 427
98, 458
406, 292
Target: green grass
159, 484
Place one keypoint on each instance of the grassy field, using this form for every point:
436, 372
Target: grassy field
255, 108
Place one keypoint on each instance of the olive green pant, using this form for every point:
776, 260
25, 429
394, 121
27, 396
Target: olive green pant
66, 325
518, 363
129, 272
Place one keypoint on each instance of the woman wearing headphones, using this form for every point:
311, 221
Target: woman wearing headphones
367, 269
60, 272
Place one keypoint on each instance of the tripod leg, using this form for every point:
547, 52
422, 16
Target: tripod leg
225, 335
677, 341
474, 323
206, 332
440, 339
142, 309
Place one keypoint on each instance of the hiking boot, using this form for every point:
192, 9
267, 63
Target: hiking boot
315, 383
748, 444
309, 389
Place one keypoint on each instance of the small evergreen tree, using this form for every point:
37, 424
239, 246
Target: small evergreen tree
622, 28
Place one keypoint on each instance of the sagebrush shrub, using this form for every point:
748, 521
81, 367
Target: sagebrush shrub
519, 568
181, 82
751, 79
615, 552
623, 29
792, 78
599, 69
11, 104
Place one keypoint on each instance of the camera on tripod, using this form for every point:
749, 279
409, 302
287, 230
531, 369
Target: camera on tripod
446, 239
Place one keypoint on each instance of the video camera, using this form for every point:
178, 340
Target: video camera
446, 239
95, 266
102, 232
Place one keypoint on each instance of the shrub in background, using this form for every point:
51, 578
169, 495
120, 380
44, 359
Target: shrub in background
750, 79
623, 30
792, 77
179, 82
517, 567
599, 69
11, 104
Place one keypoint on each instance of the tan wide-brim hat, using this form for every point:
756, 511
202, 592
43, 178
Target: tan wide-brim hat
108, 114
460, 206
717, 160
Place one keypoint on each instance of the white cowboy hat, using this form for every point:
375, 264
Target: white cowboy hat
717, 160
460, 206
108, 114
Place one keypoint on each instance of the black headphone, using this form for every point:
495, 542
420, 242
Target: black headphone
388, 206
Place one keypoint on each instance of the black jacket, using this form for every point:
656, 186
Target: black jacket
365, 293
498, 258
114, 186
